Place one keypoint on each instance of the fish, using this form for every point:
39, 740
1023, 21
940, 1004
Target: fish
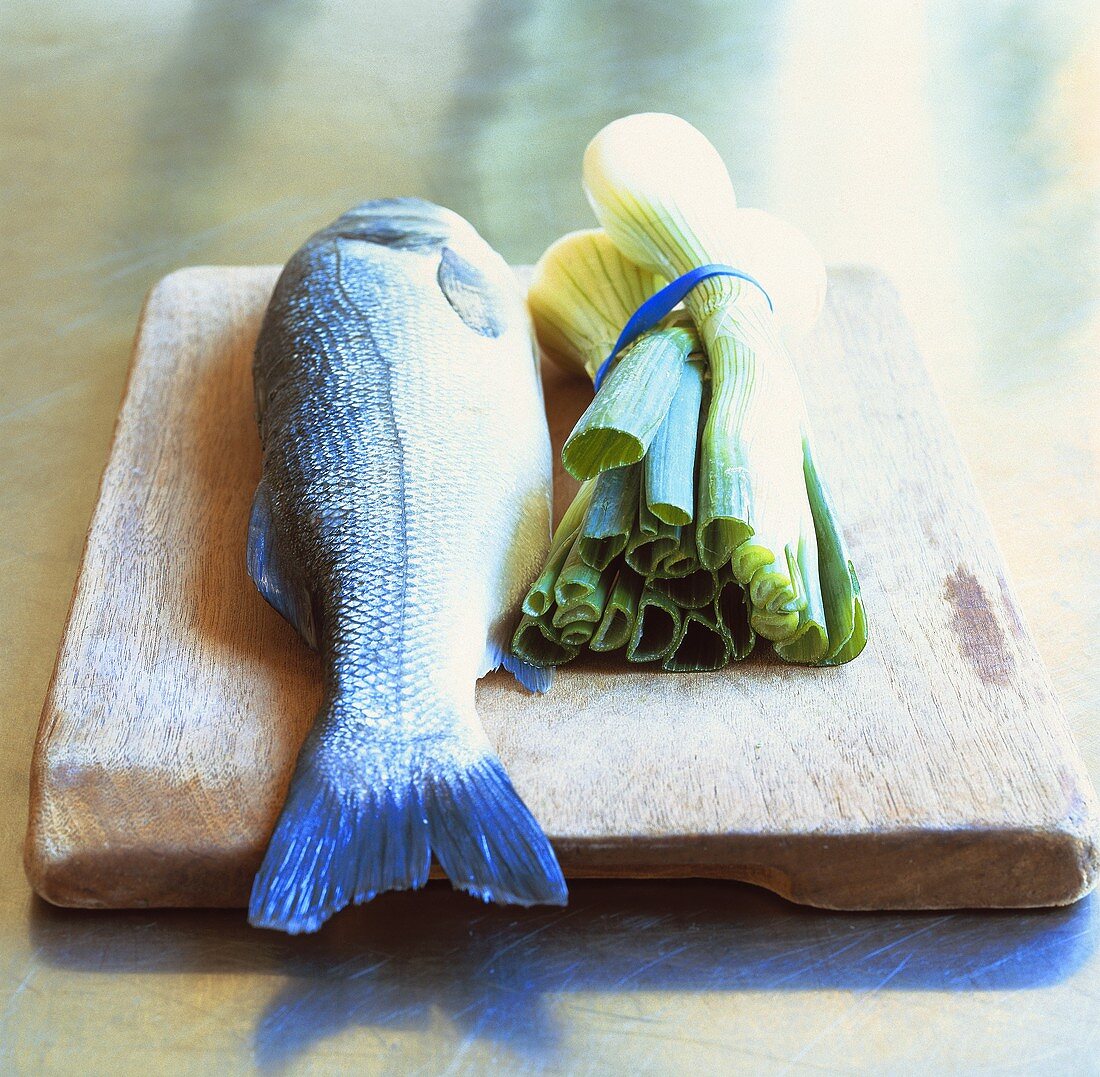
403, 510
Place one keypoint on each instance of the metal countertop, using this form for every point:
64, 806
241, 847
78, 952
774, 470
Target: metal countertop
954, 144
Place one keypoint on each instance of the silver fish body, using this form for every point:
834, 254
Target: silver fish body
402, 512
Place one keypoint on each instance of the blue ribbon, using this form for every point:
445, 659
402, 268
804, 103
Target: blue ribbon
661, 303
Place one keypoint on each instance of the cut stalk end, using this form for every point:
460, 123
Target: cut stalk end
538, 642
700, 647
656, 629
670, 514
718, 538
598, 449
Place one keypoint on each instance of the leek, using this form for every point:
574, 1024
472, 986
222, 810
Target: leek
610, 517
842, 613
670, 464
701, 644
656, 628
691, 592
575, 634
651, 543
620, 614
582, 292
732, 610
577, 581
670, 218
702, 523
631, 405
681, 559
541, 595
538, 642
587, 603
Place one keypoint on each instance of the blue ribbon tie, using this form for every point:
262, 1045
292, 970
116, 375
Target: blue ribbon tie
661, 303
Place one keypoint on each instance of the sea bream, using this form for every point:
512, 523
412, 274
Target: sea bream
403, 511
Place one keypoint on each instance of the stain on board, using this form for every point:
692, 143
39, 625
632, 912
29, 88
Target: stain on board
981, 638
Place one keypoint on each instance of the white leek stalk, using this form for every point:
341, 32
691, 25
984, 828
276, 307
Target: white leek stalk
582, 292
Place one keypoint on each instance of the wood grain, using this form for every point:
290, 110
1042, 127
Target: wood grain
935, 771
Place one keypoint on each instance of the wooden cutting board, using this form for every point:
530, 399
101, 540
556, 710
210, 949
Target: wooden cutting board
935, 771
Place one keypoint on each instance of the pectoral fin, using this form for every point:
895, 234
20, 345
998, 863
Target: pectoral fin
273, 576
473, 296
533, 678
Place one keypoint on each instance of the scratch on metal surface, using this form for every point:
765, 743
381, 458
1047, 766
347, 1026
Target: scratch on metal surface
814, 944
22, 986
1033, 952
369, 969
525, 937
660, 959
912, 935
618, 1015
819, 962
29, 407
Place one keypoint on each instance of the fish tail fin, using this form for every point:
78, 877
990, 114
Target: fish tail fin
351, 831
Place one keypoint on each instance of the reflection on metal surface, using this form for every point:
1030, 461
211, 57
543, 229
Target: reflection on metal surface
499, 974
951, 142
200, 105
1015, 88
540, 79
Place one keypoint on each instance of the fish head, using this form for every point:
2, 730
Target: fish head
409, 224
473, 278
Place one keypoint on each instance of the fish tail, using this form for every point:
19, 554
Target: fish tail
340, 842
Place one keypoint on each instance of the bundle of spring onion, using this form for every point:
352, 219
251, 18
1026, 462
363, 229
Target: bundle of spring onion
702, 521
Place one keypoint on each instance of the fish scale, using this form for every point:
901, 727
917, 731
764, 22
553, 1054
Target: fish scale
402, 513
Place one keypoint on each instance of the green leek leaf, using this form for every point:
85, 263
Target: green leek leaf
620, 613
627, 412
656, 629
700, 646
732, 610
691, 592
610, 516
538, 642
541, 595
670, 462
